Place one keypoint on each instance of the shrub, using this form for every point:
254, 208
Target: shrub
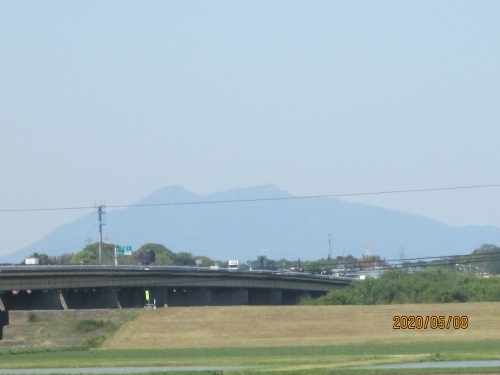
89, 325
33, 318
94, 342
432, 286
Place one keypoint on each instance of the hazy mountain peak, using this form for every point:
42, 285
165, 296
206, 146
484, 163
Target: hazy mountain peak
177, 194
286, 229
253, 192
170, 194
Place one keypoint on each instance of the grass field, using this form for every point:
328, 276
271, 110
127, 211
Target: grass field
304, 360
257, 326
58, 328
307, 339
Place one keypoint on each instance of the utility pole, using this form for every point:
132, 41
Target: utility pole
99, 212
329, 247
116, 255
261, 261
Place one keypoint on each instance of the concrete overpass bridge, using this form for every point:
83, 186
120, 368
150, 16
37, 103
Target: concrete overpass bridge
81, 287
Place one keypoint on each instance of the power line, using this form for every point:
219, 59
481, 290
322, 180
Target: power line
436, 261
434, 264
256, 199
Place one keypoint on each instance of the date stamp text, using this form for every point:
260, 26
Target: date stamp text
433, 322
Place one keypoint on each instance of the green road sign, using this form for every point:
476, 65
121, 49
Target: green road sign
126, 250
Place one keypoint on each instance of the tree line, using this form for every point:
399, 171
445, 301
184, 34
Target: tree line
90, 255
484, 260
434, 285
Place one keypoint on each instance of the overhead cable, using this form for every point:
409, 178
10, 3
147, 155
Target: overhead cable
255, 199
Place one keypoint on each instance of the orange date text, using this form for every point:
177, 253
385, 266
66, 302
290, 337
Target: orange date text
432, 322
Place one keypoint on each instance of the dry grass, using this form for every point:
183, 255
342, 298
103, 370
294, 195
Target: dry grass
248, 326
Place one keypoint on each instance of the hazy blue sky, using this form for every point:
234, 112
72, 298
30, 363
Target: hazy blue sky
113, 100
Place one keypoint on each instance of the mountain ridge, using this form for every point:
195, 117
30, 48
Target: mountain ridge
281, 228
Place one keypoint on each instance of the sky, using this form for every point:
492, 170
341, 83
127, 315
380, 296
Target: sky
110, 101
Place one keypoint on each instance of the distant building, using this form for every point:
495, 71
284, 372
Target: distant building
32, 261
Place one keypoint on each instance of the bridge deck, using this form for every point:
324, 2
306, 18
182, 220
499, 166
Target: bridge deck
81, 277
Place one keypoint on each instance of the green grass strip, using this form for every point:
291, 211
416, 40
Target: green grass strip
277, 358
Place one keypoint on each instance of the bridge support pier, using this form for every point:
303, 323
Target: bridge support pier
91, 299
228, 297
4, 320
264, 297
131, 297
36, 300
188, 297
160, 295
136, 297
292, 297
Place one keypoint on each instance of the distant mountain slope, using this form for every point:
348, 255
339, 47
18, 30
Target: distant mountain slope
291, 229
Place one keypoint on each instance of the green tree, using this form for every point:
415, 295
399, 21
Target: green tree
184, 259
436, 285
90, 254
205, 261
486, 257
163, 255
62, 259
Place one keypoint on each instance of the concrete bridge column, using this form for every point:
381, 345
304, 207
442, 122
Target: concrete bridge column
189, 297
257, 297
91, 299
131, 297
123, 298
228, 297
4, 320
45, 300
264, 297
292, 297
138, 297
160, 295
35, 300
274, 297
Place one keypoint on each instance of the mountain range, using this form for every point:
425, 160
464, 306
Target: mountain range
216, 226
